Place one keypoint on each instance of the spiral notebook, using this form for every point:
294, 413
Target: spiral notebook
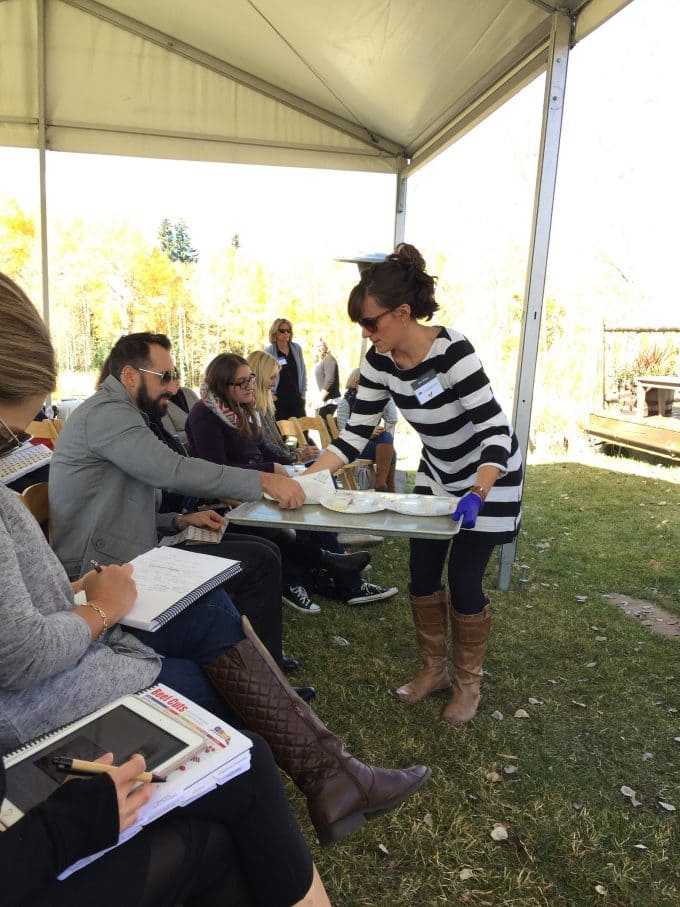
170, 580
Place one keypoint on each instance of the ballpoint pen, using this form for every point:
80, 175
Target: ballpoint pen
97, 566
81, 767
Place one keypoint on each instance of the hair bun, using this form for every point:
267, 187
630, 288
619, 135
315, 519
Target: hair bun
409, 255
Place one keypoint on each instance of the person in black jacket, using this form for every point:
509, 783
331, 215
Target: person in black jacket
238, 845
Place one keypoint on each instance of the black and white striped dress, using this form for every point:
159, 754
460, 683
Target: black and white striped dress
462, 428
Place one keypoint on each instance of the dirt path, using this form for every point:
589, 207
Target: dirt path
646, 613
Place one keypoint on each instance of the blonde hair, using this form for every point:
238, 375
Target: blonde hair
276, 324
352, 382
264, 367
27, 361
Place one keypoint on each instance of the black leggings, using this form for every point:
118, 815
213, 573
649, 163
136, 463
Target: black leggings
467, 564
237, 845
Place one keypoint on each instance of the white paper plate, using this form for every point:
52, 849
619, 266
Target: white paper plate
422, 504
353, 502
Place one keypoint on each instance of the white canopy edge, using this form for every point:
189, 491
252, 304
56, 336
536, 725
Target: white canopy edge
196, 106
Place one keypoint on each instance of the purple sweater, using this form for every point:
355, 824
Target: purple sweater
212, 439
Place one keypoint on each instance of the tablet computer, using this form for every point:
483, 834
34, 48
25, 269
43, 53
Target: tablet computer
126, 726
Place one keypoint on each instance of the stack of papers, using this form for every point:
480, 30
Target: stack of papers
315, 486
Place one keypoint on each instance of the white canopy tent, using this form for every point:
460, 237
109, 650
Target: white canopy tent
372, 85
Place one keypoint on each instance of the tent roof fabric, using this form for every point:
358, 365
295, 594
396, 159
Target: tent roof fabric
375, 85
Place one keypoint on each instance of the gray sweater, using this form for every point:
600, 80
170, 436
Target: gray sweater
50, 670
104, 474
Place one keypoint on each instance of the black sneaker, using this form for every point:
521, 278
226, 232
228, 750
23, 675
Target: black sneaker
297, 597
369, 592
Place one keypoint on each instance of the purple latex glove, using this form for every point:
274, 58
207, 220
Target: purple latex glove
468, 508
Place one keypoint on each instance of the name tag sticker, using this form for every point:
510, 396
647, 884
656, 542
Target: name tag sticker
283, 361
427, 386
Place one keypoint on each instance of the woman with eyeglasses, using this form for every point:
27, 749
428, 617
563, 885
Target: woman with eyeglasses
291, 389
469, 453
239, 844
225, 428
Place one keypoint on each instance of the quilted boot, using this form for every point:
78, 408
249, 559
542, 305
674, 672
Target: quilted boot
342, 792
430, 618
470, 634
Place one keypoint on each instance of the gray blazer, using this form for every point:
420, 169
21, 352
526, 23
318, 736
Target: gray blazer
104, 474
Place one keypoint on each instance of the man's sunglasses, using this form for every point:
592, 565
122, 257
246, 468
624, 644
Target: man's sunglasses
370, 324
15, 440
166, 377
243, 382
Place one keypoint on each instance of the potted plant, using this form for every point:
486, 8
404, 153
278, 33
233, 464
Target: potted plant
651, 362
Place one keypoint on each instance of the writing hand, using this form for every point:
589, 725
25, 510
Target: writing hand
468, 508
113, 590
131, 797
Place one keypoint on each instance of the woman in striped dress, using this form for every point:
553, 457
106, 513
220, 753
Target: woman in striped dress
469, 451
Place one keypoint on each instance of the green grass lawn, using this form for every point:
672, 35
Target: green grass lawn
608, 715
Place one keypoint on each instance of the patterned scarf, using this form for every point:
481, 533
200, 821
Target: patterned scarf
223, 412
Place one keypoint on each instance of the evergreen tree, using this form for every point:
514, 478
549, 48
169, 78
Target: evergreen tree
184, 251
176, 242
166, 235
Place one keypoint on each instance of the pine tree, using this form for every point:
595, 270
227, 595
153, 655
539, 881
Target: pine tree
176, 242
166, 235
184, 251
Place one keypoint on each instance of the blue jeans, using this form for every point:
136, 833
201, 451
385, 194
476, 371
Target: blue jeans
368, 453
193, 638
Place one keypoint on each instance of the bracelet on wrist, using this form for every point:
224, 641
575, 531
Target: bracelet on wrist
480, 492
102, 613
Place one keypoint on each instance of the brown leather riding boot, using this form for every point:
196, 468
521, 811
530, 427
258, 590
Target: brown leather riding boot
470, 633
390, 477
342, 792
430, 618
383, 461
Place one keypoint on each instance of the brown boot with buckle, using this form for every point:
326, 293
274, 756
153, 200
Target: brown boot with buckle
342, 792
430, 618
470, 634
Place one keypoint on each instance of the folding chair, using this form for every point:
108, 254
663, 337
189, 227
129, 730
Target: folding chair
35, 499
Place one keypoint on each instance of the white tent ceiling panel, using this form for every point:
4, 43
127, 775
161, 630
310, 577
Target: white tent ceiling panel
192, 110
18, 88
361, 84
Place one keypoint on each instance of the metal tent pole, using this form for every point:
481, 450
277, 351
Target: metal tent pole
42, 145
553, 107
400, 210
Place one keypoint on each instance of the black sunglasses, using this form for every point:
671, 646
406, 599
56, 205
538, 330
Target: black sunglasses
370, 324
15, 440
285, 331
166, 377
